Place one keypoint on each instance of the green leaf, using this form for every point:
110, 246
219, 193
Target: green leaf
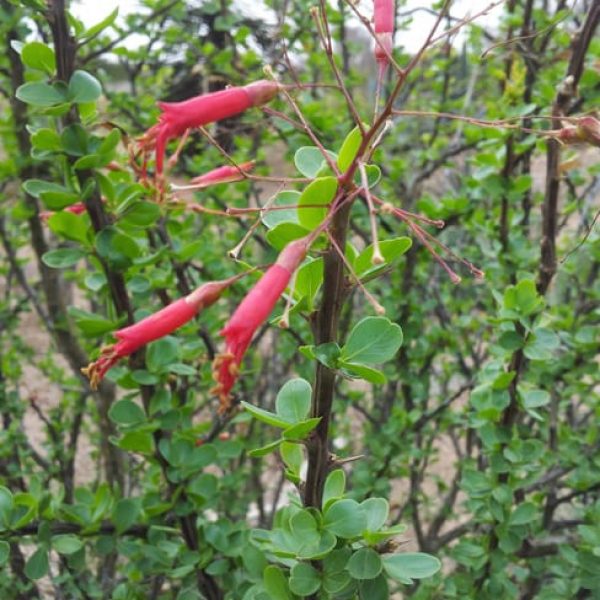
335, 576
35, 187
362, 372
390, 250
272, 218
319, 549
37, 565
524, 514
109, 143
284, 233
523, 298
365, 564
320, 193
46, 139
309, 279
74, 140
125, 514
511, 341
91, 161
373, 176
410, 565
327, 354
84, 87
349, 148
101, 26
292, 456
67, 544
266, 417
309, 160
372, 340
300, 430
137, 441
534, 398
70, 226
374, 589
143, 377
4, 552
63, 257
304, 579
59, 200
264, 450
39, 93
376, 511
141, 214
116, 247
541, 344
375, 537
126, 412
335, 484
182, 369
6, 506
39, 56
304, 526
25, 510
345, 519
162, 353
275, 583
293, 400
204, 486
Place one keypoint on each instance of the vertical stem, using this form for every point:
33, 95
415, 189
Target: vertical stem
325, 329
565, 94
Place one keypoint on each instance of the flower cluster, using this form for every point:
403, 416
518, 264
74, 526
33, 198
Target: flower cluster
176, 119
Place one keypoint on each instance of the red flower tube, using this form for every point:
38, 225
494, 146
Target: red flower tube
383, 17
251, 314
226, 174
161, 323
178, 117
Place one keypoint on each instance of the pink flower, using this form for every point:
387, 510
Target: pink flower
226, 174
161, 323
383, 17
178, 117
250, 315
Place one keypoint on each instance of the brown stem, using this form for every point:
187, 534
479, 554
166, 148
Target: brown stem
325, 329
566, 92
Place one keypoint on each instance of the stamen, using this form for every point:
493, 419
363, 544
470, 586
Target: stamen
377, 258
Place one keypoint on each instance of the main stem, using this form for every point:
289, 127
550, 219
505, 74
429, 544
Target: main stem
325, 329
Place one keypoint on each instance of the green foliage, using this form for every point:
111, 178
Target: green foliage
469, 411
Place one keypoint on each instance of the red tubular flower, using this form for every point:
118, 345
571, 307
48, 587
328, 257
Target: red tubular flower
383, 17
226, 174
178, 117
155, 326
250, 315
